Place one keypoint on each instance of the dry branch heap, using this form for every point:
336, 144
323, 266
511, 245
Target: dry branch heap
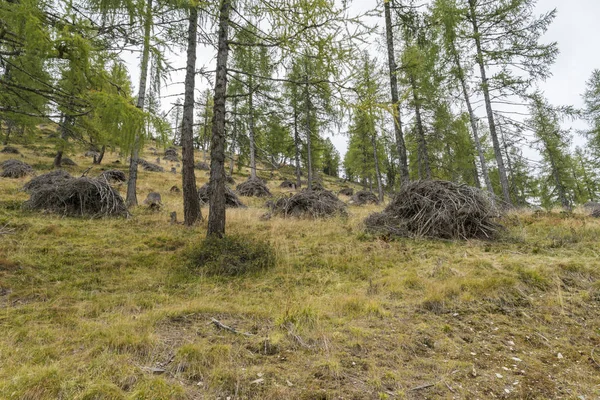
231, 199
78, 197
364, 197
148, 166
311, 204
50, 179
253, 187
113, 175
438, 209
16, 169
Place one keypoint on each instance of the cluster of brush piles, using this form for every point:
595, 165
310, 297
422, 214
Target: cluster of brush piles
438, 209
60, 193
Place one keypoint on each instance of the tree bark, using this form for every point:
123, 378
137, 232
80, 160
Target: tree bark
234, 136
98, 160
191, 201
308, 135
216, 217
424, 167
251, 130
64, 136
205, 134
488, 107
377, 172
297, 148
396, 108
473, 121
131, 199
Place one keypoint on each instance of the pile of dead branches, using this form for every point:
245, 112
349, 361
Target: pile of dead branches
202, 166
596, 213
309, 203
231, 199
68, 162
171, 154
113, 176
78, 197
16, 169
347, 191
438, 209
50, 179
364, 197
253, 187
148, 166
287, 185
10, 150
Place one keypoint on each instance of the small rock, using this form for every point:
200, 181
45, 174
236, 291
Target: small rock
560, 356
517, 359
290, 384
499, 376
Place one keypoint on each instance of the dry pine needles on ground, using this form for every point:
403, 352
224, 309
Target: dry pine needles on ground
438, 209
253, 187
309, 203
231, 199
78, 197
51, 178
364, 197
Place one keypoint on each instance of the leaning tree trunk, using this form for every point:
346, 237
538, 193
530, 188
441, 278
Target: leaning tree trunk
251, 132
98, 159
377, 172
488, 107
191, 201
308, 135
216, 217
473, 121
297, 148
396, 108
131, 199
424, 167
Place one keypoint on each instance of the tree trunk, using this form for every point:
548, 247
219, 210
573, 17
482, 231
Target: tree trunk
131, 199
510, 175
9, 126
251, 131
64, 136
562, 194
308, 135
297, 148
216, 217
98, 160
396, 108
234, 136
424, 167
377, 172
205, 134
473, 121
191, 201
488, 107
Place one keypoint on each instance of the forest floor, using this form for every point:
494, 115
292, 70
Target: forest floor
108, 308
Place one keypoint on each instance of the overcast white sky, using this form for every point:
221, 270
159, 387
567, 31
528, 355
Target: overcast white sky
576, 29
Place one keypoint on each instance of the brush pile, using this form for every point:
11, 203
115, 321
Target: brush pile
148, 166
229, 179
596, 213
52, 178
253, 187
68, 162
347, 191
364, 197
231, 199
10, 150
16, 169
309, 204
171, 154
78, 197
113, 176
437, 209
287, 185
202, 166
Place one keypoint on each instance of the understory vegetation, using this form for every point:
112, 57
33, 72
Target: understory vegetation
110, 308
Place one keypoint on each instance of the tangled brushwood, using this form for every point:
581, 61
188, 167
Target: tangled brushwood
287, 185
68, 162
364, 197
202, 166
438, 209
10, 150
113, 175
231, 199
148, 166
347, 191
78, 197
16, 169
309, 203
50, 179
253, 187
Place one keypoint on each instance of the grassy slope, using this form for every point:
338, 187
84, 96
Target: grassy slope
87, 307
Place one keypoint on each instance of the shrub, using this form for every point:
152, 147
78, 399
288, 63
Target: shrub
232, 256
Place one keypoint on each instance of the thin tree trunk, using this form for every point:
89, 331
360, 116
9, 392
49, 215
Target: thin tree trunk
308, 135
131, 199
64, 136
562, 195
377, 172
100, 157
191, 201
424, 167
205, 134
473, 121
400, 144
297, 148
488, 107
508, 162
9, 126
234, 136
251, 131
587, 182
216, 217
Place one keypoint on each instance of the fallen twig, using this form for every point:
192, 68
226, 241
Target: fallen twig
425, 386
220, 325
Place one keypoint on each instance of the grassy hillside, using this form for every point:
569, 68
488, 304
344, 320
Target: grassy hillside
109, 308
